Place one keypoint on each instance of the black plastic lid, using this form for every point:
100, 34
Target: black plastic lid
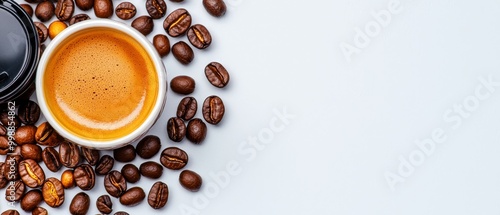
19, 50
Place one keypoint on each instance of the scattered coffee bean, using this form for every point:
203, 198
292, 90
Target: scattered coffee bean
53, 192
103, 8
190, 180
84, 177
104, 165
29, 112
215, 8
158, 195
133, 196
177, 22
115, 184
55, 28
174, 158
124, 154
31, 200
15, 191
25, 134
69, 154
67, 179
42, 30
216, 74
125, 10
131, 173
143, 24
104, 204
44, 11
156, 8
28, 9
161, 44
182, 84
213, 110
31, 173
46, 135
80, 204
90, 155
11, 170
176, 129
151, 169
3, 180
187, 108
9, 120
3, 130
10, 212
148, 147
121, 213
84, 4
199, 36
31, 151
5, 147
183, 52
39, 211
64, 9
51, 159
196, 131
78, 18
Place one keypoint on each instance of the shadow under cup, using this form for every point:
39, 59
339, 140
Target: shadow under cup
101, 84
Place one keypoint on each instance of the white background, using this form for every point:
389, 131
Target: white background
352, 120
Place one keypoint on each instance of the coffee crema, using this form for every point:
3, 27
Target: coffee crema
100, 84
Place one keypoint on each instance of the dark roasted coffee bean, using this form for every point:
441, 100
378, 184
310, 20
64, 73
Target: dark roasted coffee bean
44, 11
15, 191
29, 112
53, 192
143, 24
11, 170
40, 211
84, 4
78, 18
133, 196
115, 183
104, 204
187, 108
131, 173
46, 135
148, 147
28, 9
174, 158
3, 130
104, 165
31, 151
31, 200
25, 134
68, 179
177, 22
151, 169
10, 212
158, 195
10, 120
80, 204
196, 131
103, 8
69, 154
216, 74
42, 30
90, 155
213, 110
31, 173
176, 129
3, 180
199, 36
183, 84
84, 177
215, 8
121, 213
5, 147
125, 10
190, 180
124, 154
156, 8
51, 159
182, 52
64, 9
161, 44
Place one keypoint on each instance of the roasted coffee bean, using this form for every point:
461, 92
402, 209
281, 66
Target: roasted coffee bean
29, 112
125, 10
104, 204
55, 28
51, 159
121, 213
196, 131
115, 183
39, 211
124, 154
3, 179
182, 52
31, 200
103, 8
216, 74
176, 129
69, 154
11, 170
187, 108
183, 84
133, 196
67, 179
104, 165
156, 8
31, 151
42, 30
215, 8
53, 192
28, 9
174, 158
161, 44
84, 177
151, 169
10, 212
90, 155
46, 135
15, 191
44, 11
10, 120
80, 204
25, 134
3, 130
177, 22
143, 24
64, 9
213, 110
5, 147
199, 36
84, 4
158, 195
78, 18
131, 173
190, 180
31, 173
148, 146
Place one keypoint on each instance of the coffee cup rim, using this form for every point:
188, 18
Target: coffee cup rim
159, 68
